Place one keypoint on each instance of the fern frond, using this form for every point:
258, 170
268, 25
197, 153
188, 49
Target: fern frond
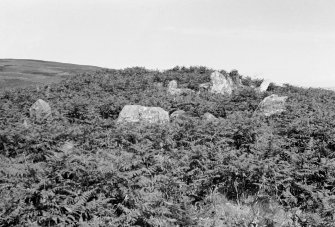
81, 201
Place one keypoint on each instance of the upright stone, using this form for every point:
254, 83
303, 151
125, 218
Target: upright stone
25, 123
272, 104
174, 90
236, 78
142, 114
40, 110
221, 84
173, 84
47, 91
264, 86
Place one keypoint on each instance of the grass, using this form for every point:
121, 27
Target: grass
24, 72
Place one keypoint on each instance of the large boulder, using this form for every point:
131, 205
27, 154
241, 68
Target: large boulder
264, 86
174, 90
40, 110
272, 104
142, 114
224, 84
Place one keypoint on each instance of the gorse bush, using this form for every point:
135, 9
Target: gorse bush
80, 168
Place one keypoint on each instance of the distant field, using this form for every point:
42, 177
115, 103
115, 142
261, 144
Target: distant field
330, 88
22, 72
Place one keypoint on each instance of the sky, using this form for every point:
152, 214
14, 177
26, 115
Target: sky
285, 41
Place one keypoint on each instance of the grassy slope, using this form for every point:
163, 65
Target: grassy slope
23, 72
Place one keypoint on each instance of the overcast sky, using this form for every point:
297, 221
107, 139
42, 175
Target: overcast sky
283, 40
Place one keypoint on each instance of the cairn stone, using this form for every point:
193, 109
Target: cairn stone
47, 91
142, 114
158, 85
205, 86
223, 84
236, 78
209, 117
67, 147
40, 110
272, 104
264, 86
178, 114
174, 90
25, 124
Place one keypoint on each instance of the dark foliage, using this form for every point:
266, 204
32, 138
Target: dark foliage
140, 175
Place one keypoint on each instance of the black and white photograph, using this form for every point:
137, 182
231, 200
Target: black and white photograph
167, 113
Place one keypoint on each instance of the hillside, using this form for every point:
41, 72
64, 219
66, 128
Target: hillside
22, 72
80, 167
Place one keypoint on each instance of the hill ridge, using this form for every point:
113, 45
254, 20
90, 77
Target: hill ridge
24, 72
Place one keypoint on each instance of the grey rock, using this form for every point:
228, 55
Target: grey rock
272, 104
236, 78
158, 85
173, 84
47, 91
178, 114
25, 124
223, 84
174, 90
209, 117
142, 114
205, 86
40, 110
67, 147
264, 86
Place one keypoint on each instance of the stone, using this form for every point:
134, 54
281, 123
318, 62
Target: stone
40, 110
209, 117
142, 114
272, 104
158, 85
173, 84
236, 78
205, 86
174, 90
264, 86
47, 91
67, 147
178, 114
222, 84
25, 124
279, 84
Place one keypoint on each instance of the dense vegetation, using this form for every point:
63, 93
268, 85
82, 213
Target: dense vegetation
242, 170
